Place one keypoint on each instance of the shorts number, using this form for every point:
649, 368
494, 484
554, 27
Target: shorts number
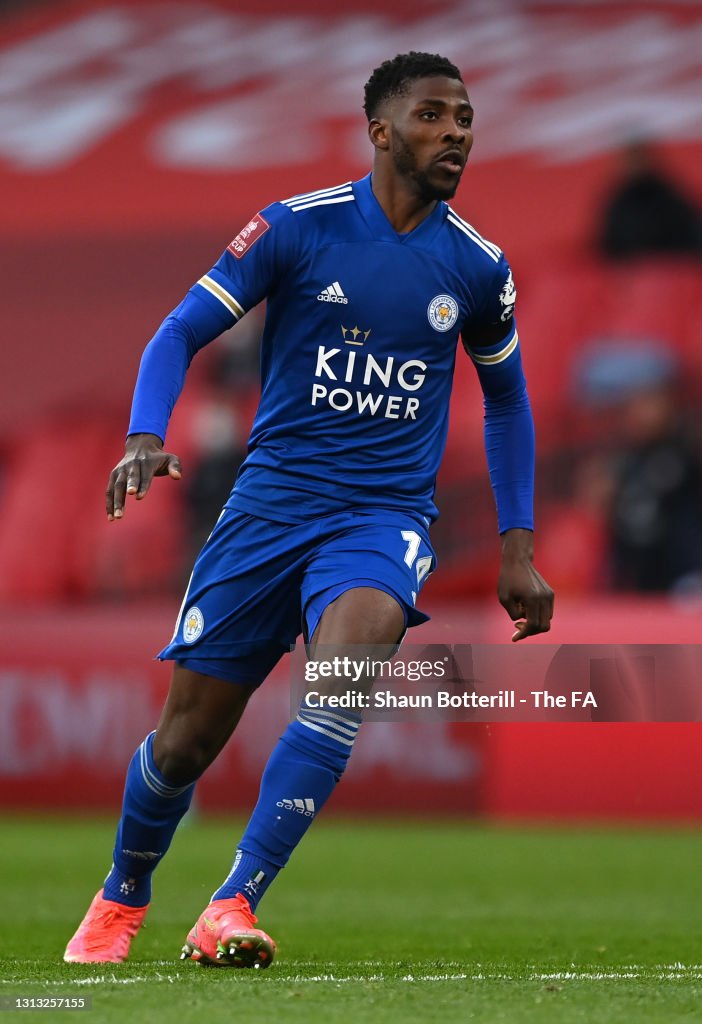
413, 541
423, 568
424, 564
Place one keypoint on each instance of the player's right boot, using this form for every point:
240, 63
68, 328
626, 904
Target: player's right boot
105, 933
225, 935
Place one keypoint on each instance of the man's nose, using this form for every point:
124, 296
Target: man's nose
456, 133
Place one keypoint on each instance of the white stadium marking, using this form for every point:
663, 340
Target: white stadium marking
590, 972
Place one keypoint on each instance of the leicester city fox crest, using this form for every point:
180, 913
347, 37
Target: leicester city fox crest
508, 297
193, 625
442, 312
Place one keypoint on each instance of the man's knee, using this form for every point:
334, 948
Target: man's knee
362, 627
183, 755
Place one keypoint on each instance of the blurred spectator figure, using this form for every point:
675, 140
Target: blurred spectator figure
647, 213
219, 450
657, 503
220, 425
655, 515
236, 358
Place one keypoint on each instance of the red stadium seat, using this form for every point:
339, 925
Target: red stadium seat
55, 542
558, 309
655, 299
47, 495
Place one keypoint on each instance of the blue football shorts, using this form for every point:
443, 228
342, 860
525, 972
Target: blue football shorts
258, 584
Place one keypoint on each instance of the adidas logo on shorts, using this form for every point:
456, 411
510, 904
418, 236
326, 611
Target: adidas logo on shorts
332, 293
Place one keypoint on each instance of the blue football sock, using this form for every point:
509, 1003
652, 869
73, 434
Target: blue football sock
151, 810
302, 771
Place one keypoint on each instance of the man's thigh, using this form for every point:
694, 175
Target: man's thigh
383, 550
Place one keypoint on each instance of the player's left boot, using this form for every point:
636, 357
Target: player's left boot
105, 933
225, 935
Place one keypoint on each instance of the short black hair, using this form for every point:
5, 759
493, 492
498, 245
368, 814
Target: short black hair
394, 77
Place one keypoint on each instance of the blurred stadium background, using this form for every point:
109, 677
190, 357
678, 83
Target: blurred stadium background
136, 138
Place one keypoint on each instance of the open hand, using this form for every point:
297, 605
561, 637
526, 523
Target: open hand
144, 459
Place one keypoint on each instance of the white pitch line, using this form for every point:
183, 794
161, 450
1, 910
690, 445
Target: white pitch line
101, 979
615, 976
630, 972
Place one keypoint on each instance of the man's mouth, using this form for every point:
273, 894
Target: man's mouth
453, 160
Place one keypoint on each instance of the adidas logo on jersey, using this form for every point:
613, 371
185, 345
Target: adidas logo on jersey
305, 806
332, 293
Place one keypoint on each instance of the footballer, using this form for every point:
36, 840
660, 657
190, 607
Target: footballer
370, 285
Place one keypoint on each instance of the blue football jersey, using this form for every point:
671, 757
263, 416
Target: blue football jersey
358, 349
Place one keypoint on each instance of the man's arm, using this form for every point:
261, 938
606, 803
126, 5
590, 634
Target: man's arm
165, 361
265, 249
510, 450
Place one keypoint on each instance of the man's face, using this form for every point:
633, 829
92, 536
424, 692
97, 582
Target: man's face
430, 135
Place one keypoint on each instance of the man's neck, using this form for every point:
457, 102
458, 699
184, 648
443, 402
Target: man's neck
403, 207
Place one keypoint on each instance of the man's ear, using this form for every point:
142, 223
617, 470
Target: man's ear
379, 132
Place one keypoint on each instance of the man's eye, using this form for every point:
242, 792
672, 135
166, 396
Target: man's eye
430, 115
466, 122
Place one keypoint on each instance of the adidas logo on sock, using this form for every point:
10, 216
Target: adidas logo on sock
332, 293
305, 806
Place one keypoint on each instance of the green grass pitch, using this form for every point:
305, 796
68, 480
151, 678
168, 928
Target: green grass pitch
379, 922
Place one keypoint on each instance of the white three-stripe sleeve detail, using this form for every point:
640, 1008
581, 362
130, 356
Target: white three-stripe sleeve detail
320, 193
475, 234
475, 238
323, 202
